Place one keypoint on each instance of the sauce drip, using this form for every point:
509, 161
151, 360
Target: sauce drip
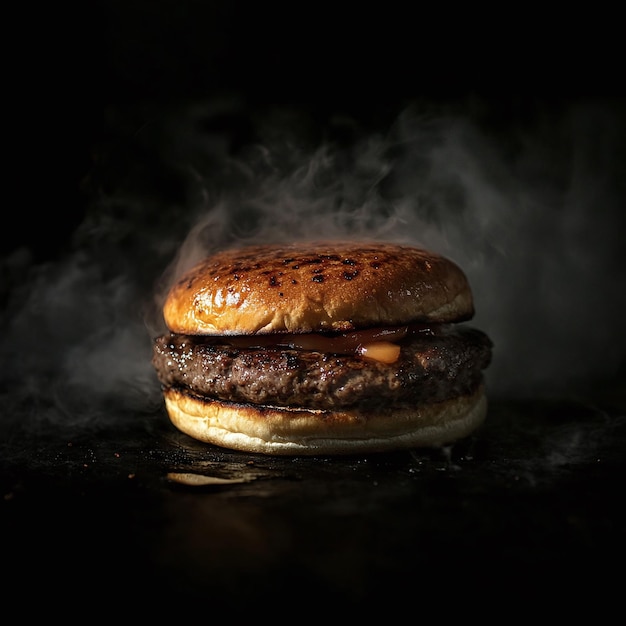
373, 343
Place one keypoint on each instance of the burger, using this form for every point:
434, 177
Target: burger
321, 348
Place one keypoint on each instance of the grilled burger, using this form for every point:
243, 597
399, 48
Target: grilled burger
323, 348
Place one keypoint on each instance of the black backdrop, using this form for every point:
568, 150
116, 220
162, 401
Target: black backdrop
99, 116
69, 64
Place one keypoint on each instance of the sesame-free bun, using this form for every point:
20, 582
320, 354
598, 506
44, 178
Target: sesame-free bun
308, 287
283, 431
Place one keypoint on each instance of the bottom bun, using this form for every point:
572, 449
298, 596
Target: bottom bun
286, 431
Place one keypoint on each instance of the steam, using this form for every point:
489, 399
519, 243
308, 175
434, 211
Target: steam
533, 212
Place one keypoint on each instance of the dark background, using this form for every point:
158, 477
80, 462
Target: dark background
123, 116
131, 115
70, 63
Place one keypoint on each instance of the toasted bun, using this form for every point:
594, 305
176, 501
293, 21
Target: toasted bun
308, 287
281, 431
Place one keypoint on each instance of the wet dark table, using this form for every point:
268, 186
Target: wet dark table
141, 513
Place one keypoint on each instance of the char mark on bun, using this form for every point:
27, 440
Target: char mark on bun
323, 348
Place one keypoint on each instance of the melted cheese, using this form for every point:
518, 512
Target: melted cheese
383, 351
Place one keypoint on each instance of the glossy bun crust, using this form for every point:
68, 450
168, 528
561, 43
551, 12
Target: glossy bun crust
280, 431
309, 287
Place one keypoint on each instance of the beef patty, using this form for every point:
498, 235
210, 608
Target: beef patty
432, 367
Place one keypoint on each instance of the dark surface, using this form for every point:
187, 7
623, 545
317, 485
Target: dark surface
534, 501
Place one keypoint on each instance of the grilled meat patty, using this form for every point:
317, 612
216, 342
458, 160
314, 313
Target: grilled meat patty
432, 367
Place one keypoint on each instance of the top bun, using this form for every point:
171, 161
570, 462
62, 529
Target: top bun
316, 286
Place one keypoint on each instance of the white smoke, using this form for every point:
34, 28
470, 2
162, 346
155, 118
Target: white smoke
532, 211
